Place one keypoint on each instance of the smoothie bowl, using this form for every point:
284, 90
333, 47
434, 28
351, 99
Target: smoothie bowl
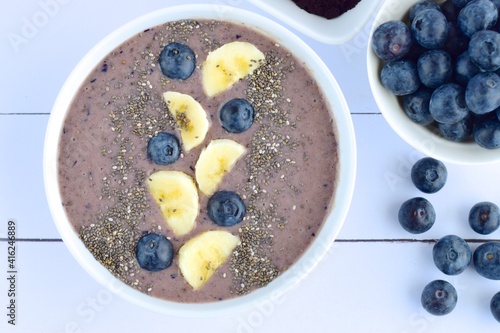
199, 159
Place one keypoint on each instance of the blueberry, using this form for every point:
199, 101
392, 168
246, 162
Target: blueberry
391, 40
459, 131
486, 259
416, 50
400, 77
449, 10
447, 104
430, 28
465, 69
439, 297
452, 255
484, 49
421, 5
495, 306
164, 148
429, 175
434, 68
416, 215
484, 217
482, 93
457, 42
177, 61
416, 107
477, 15
486, 133
154, 252
461, 3
236, 115
226, 208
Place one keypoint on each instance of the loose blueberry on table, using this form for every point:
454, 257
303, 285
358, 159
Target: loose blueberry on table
416, 215
484, 217
486, 260
495, 306
452, 255
439, 297
429, 175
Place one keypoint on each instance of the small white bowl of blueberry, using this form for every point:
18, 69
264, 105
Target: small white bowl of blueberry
434, 70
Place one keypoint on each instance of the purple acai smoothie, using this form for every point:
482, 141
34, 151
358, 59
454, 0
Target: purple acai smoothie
287, 177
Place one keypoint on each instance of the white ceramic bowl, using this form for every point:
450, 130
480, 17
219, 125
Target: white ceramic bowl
347, 155
333, 31
421, 138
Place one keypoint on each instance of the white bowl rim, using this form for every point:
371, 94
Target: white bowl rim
333, 31
347, 161
416, 135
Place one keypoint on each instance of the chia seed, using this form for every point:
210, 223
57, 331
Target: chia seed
252, 263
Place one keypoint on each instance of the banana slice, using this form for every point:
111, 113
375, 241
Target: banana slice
217, 159
177, 196
200, 257
228, 64
191, 118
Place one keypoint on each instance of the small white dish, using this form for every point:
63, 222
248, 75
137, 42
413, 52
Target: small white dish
422, 138
334, 31
347, 160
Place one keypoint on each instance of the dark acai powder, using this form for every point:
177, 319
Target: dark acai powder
326, 8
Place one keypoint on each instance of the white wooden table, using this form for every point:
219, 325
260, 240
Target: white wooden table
370, 280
